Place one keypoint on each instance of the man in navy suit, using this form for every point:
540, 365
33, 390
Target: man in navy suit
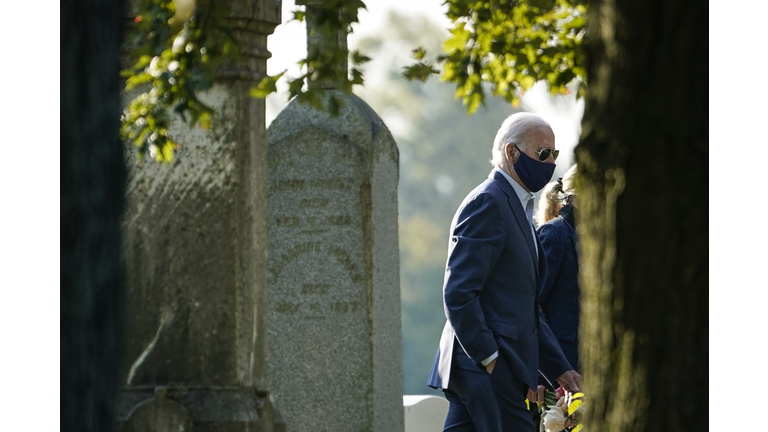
495, 341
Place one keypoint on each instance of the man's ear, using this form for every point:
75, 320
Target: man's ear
511, 152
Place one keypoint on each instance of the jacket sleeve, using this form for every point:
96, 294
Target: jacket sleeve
554, 250
552, 360
475, 246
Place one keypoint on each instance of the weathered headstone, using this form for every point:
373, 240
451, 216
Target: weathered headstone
424, 413
335, 355
196, 257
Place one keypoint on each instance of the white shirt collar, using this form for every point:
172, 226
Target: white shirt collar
522, 194
524, 197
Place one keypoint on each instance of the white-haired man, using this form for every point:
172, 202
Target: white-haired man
495, 340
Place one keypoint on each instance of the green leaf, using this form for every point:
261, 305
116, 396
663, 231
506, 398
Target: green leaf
419, 71
294, 86
473, 101
357, 77
266, 86
527, 82
458, 41
419, 53
358, 58
577, 23
550, 397
136, 80
334, 105
544, 5
204, 120
167, 152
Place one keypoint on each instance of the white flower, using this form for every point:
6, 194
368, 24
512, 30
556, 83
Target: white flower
562, 404
554, 420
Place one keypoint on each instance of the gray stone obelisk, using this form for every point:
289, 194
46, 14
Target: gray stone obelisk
196, 256
335, 345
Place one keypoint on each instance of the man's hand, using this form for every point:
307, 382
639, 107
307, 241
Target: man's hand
536, 396
570, 381
489, 367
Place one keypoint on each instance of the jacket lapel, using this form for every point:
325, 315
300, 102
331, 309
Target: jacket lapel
519, 212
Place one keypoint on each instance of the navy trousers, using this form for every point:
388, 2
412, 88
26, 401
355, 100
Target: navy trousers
483, 402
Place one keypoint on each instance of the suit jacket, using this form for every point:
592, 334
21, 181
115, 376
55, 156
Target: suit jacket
490, 290
559, 296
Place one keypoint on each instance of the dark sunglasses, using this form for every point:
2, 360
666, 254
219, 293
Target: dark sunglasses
544, 153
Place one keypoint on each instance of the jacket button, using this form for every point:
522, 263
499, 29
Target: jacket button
535, 330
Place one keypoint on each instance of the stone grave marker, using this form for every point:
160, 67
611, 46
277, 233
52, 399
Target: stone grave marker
334, 328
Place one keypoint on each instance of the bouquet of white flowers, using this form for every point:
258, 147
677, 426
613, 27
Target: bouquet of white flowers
561, 410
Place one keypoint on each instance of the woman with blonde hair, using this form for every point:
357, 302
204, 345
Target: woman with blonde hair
554, 196
559, 296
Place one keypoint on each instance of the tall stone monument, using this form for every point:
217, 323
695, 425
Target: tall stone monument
196, 257
335, 350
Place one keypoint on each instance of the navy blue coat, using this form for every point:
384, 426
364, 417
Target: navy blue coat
492, 280
559, 296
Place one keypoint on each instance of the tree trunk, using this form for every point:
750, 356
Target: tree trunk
643, 222
92, 200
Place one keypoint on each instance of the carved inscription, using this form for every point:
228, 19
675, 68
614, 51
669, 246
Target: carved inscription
313, 224
277, 267
310, 207
340, 255
315, 309
288, 221
345, 260
315, 288
339, 220
344, 307
313, 221
332, 184
287, 185
287, 307
314, 203
296, 185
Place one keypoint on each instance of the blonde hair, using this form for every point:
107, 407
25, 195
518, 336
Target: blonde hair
554, 196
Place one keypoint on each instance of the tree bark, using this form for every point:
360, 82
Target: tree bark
643, 162
643, 168
92, 199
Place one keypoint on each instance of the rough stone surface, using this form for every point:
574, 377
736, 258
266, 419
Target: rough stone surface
424, 413
192, 252
335, 356
206, 409
195, 243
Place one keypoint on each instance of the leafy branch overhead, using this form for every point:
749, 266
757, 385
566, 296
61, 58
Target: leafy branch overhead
178, 51
178, 46
510, 44
329, 21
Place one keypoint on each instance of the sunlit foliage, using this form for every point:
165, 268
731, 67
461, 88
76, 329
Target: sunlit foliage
176, 54
510, 44
323, 61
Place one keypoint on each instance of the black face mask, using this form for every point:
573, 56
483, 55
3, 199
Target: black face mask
534, 174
